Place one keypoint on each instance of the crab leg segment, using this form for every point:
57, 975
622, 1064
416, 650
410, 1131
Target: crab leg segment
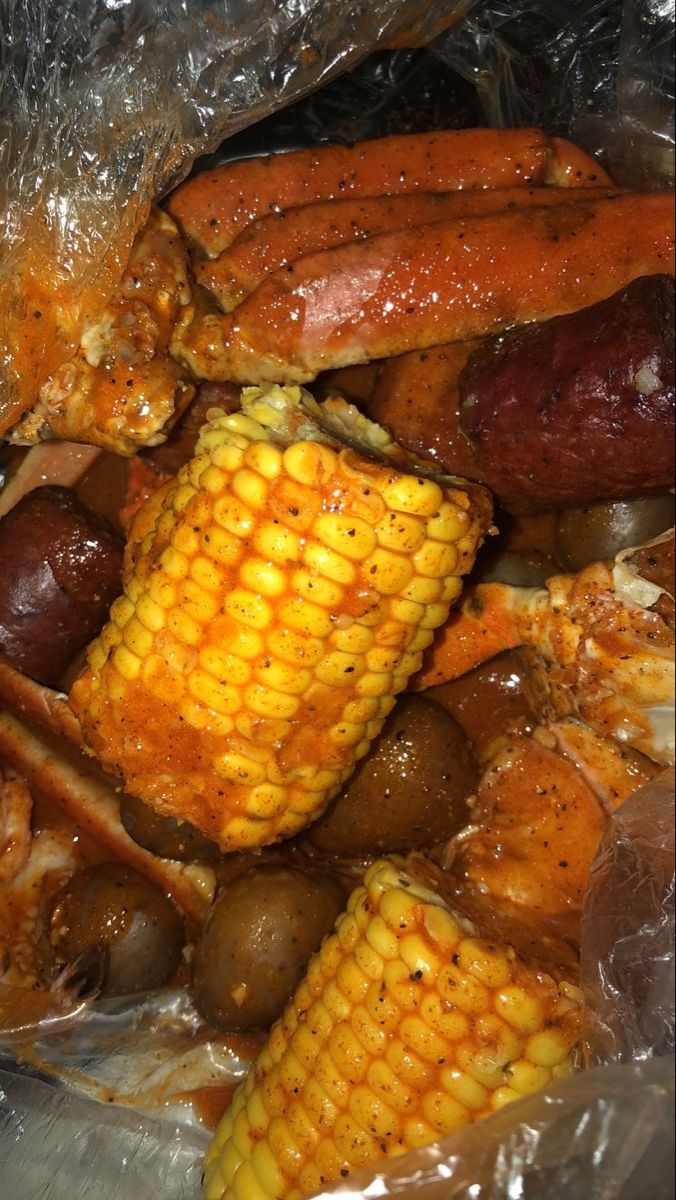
446, 282
93, 805
281, 238
215, 206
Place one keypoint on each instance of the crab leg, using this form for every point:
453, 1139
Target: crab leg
281, 238
446, 282
93, 805
62, 463
39, 704
214, 207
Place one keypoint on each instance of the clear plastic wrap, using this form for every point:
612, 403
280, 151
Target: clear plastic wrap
106, 103
600, 71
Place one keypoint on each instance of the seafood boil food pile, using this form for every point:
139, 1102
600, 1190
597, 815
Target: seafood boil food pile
337, 619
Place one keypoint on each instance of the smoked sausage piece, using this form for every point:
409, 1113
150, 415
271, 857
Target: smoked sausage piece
579, 408
59, 572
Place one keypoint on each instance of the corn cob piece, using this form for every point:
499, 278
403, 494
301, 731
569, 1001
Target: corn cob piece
278, 596
407, 1026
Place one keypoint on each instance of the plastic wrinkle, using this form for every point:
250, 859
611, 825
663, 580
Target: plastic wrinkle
628, 930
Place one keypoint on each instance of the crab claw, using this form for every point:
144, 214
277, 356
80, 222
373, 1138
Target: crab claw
608, 648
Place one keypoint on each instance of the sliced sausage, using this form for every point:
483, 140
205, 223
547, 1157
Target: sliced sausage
60, 568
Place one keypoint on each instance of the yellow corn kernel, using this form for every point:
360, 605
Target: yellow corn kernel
328, 563
265, 458
193, 600
228, 458
399, 532
303, 617
547, 1049
450, 524
137, 638
338, 668
250, 488
226, 668
465, 1090
436, 615
436, 559
310, 463
296, 648
212, 480
249, 609
174, 564
486, 962
260, 576
526, 1078
520, 1010
237, 768
283, 677
223, 547
444, 1113
221, 697
234, 516
423, 591
205, 574
265, 801
183, 627
126, 663
317, 590
245, 642
269, 703
186, 540
409, 494
387, 572
348, 536
182, 497
375, 683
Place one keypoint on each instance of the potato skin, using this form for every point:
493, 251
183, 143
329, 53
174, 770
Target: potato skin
263, 929
409, 793
580, 408
112, 906
60, 567
597, 531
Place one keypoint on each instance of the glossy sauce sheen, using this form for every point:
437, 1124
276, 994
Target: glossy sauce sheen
446, 282
282, 238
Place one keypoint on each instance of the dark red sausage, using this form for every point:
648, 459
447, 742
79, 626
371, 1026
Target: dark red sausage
59, 572
580, 408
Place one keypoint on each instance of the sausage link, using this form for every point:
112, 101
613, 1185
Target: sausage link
61, 569
580, 408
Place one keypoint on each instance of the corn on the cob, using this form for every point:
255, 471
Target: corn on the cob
407, 1026
278, 598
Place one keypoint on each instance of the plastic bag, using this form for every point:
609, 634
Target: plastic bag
156, 97
107, 103
599, 71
